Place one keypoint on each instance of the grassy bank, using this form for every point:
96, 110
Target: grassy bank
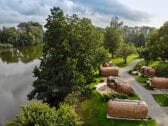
93, 112
119, 61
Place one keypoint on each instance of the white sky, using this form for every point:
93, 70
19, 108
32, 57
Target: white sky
133, 12
158, 9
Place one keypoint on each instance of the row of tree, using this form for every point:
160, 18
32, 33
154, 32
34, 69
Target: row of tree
156, 45
27, 33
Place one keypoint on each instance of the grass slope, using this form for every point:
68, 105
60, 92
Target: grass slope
161, 99
119, 61
93, 112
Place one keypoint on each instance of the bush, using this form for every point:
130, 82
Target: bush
162, 70
107, 97
142, 79
40, 114
139, 65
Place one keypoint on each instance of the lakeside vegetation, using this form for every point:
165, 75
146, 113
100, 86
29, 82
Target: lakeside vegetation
27, 33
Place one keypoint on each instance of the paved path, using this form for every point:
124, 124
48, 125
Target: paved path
158, 113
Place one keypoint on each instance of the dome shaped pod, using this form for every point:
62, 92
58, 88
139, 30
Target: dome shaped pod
159, 82
109, 71
148, 71
118, 86
127, 109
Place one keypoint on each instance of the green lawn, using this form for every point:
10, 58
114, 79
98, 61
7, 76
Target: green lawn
119, 61
93, 113
143, 79
161, 99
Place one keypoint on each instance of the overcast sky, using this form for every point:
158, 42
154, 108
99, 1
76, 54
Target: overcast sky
132, 12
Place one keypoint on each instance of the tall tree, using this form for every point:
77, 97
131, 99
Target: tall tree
113, 39
115, 23
139, 40
113, 36
72, 53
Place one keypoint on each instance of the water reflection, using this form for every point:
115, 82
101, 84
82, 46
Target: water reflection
23, 54
16, 66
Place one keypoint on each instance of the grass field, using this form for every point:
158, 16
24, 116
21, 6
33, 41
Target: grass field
142, 79
161, 99
119, 61
93, 113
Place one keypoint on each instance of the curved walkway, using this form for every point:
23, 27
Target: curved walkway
158, 113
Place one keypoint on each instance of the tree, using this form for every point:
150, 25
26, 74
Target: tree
28, 33
113, 39
115, 23
72, 53
40, 114
139, 40
125, 50
157, 40
9, 35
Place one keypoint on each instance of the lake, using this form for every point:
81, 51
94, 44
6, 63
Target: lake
16, 77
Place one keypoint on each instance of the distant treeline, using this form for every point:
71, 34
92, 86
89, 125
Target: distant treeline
26, 33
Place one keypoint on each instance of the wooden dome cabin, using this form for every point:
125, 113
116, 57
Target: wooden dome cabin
127, 109
118, 86
109, 71
148, 71
159, 82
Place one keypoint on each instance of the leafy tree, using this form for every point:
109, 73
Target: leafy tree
72, 53
9, 35
113, 39
40, 114
146, 54
125, 50
29, 33
139, 40
115, 23
157, 40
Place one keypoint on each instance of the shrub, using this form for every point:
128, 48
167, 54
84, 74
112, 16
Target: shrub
162, 70
139, 65
107, 97
40, 114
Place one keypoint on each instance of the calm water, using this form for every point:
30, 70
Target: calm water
16, 66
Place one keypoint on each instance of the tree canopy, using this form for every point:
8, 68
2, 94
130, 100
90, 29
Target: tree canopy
125, 50
113, 37
157, 43
72, 54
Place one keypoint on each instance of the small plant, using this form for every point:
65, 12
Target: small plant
107, 97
